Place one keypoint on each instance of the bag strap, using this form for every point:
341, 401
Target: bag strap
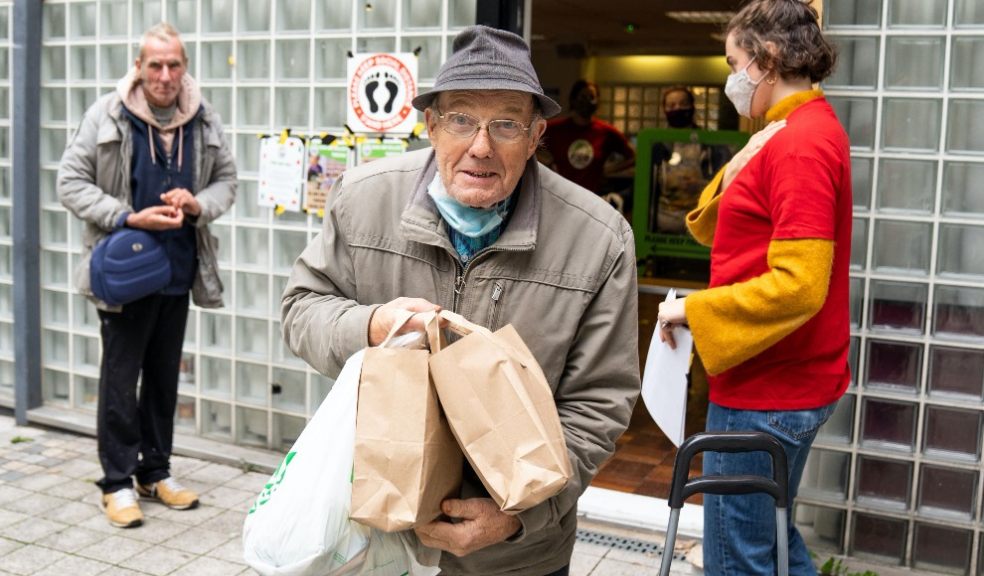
432, 323
402, 317
458, 324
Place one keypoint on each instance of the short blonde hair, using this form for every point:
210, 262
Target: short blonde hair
166, 33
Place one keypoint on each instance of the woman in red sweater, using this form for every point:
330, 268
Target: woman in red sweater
772, 328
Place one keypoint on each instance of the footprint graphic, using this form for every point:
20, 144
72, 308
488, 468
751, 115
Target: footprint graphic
371, 92
393, 88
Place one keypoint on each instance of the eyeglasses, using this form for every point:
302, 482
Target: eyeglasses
465, 126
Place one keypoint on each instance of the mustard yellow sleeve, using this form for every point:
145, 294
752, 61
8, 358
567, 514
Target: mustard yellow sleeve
734, 323
702, 220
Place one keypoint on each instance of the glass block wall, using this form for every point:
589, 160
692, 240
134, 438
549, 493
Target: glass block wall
6, 194
265, 65
896, 474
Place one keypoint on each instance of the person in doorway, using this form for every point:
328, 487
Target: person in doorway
678, 107
150, 155
773, 327
477, 226
582, 148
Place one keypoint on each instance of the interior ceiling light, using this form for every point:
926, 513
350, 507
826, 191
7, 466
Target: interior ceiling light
701, 17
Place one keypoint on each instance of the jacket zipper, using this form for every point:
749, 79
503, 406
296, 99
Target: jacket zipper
494, 311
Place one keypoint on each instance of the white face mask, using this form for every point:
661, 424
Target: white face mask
740, 88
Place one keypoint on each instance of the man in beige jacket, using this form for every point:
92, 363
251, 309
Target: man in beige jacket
476, 226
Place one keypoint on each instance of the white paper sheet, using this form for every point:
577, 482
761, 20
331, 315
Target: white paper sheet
664, 381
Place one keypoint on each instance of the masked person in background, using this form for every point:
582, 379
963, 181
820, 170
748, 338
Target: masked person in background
773, 327
582, 148
477, 226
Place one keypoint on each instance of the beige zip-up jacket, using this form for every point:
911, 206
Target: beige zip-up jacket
94, 180
563, 273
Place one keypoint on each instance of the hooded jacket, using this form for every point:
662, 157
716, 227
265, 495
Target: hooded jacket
563, 273
95, 170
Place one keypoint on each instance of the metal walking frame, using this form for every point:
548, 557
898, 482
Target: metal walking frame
684, 487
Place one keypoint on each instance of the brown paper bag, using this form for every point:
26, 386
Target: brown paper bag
502, 411
406, 459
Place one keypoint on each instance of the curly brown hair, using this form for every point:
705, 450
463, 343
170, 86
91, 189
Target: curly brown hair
791, 25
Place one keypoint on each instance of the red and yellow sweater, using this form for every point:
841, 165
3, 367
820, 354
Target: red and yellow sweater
773, 327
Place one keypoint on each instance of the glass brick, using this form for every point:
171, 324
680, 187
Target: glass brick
287, 246
217, 16
86, 392
81, 99
967, 63
253, 110
956, 371
53, 141
942, 549
251, 427
286, 431
959, 312
968, 13
281, 352
952, 431
216, 420
947, 491
897, 306
217, 61
911, 124
252, 247
333, 15
288, 390
53, 63
380, 16
83, 20
839, 429
913, 63
146, 13
853, 352
87, 353
114, 15
960, 194
826, 474
54, 269
252, 338
879, 538
85, 314
293, 60
857, 115
247, 208
329, 107
217, 332
252, 293
859, 243
7, 380
115, 61
55, 387
429, 58
820, 527
320, 387
961, 251
182, 15
906, 186
186, 373
461, 13
184, 414
330, 58
894, 365
53, 21
888, 424
964, 134
884, 482
866, 13
916, 13
861, 179
422, 14
216, 377
253, 60
368, 44
252, 384
291, 107
857, 63
254, 16
248, 148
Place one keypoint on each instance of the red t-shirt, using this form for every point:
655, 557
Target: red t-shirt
797, 187
579, 152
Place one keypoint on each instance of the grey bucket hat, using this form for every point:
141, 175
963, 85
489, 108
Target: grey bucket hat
486, 58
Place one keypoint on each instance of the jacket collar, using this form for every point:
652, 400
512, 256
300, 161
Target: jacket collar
787, 105
421, 222
132, 96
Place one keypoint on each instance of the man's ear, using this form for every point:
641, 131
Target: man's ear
430, 120
536, 133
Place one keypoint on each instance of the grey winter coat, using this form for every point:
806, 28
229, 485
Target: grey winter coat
94, 184
563, 273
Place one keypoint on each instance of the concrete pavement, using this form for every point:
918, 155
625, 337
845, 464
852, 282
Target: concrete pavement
51, 523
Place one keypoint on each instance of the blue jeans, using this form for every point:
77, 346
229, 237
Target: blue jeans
740, 531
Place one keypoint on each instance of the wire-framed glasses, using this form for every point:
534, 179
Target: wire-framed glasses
465, 126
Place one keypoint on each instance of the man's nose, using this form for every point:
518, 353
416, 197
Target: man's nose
481, 145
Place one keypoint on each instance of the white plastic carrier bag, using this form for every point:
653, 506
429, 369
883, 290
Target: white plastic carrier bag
299, 524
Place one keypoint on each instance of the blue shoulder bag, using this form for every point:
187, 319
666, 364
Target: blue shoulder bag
128, 265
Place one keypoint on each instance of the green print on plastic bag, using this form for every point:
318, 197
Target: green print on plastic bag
271, 486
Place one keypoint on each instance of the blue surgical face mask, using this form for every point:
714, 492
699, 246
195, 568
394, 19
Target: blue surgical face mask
740, 88
467, 221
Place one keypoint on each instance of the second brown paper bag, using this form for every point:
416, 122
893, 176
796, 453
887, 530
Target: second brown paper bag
406, 459
501, 409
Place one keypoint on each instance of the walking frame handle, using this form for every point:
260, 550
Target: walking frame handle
683, 487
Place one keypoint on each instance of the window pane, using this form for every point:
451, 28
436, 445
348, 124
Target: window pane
959, 312
961, 196
907, 186
858, 117
897, 306
947, 490
966, 127
911, 124
954, 431
880, 538
916, 13
894, 365
857, 63
902, 247
913, 63
892, 423
956, 371
942, 549
961, 250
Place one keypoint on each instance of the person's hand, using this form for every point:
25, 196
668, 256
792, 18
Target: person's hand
182, 199
156, 218
482, 524
385, 316
754, 145
673, 313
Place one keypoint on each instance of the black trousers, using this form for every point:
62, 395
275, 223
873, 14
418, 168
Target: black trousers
134, 434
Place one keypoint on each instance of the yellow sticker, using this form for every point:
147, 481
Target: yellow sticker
284, 134
278, 209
